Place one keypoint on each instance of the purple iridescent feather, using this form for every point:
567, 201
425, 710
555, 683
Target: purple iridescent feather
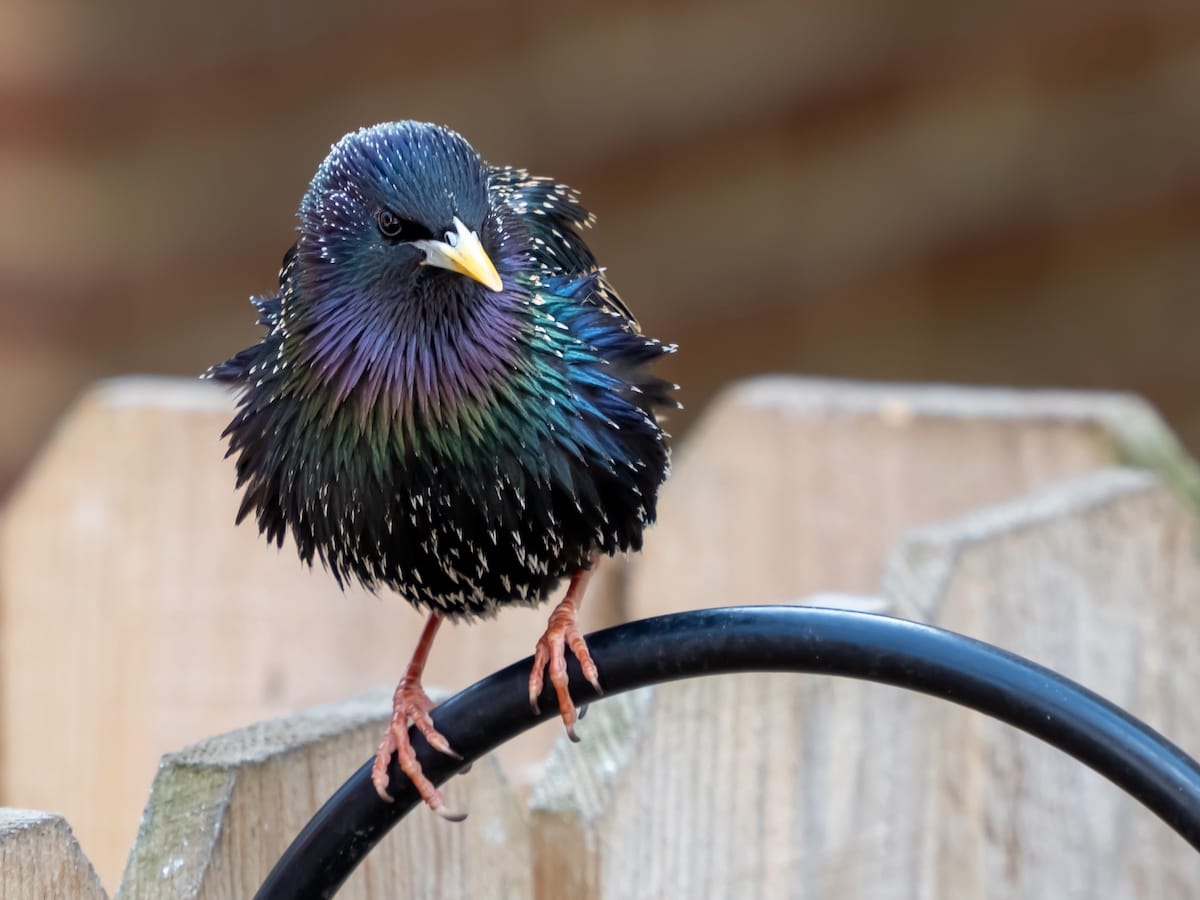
410, 427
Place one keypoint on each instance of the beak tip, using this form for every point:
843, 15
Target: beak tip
465, 256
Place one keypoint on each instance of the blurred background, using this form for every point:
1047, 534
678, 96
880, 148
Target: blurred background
974, 192
951, 190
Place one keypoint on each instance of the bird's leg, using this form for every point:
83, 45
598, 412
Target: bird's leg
551, 649
411, 702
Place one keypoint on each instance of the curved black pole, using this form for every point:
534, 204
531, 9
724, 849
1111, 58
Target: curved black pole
760, 639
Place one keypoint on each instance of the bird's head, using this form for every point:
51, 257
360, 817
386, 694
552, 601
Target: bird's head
394, 292
398, 212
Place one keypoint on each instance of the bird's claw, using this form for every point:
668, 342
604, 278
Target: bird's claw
447, 814
550, 653
541, 656
438, 742
411, 702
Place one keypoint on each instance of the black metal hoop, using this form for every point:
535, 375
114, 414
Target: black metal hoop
760, 639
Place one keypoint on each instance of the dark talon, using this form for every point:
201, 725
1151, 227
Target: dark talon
443, 747
448, 815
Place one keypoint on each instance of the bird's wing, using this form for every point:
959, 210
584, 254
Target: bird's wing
554, 218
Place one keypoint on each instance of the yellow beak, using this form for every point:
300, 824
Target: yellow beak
462, 252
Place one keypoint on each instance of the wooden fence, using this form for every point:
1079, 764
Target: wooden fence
136, 620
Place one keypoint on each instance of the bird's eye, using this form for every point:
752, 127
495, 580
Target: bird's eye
396, 229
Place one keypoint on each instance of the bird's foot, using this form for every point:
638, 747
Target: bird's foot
561, 632
411, 702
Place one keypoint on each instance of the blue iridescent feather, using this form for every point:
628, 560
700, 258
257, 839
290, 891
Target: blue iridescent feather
410, 427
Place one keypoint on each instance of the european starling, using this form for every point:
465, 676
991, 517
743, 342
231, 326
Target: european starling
450, 400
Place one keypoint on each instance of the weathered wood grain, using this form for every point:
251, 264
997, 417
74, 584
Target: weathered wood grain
798, 786
1097, 578
770, 786
789, 486
802, 787
223, 811
40, 858
138, 619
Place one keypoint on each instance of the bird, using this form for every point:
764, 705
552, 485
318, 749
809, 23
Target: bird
448, 400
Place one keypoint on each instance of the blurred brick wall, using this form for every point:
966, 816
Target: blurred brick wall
936, 190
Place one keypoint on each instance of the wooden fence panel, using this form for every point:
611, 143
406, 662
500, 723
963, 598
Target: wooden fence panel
40, 858
1099, 579
223, 811
791, 486
794, 786
150, 622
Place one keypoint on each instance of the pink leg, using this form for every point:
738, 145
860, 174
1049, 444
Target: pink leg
411, 702
561, 632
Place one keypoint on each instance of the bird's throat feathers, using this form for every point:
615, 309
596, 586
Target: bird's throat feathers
408, 359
